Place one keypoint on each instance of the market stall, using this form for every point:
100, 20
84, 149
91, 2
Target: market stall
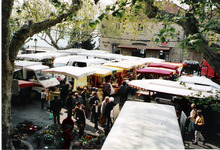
129, 67
197, 80
76, 74
46, 58
168, 65
157, 71
145, 126
172, 87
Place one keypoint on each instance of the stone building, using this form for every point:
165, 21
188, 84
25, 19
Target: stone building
142, 44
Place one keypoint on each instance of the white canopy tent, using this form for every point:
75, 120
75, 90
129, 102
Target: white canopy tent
102, 55
126, 66
74, 72
72, 51
172, 87
100, 71
19, 63
62, 61
144, 126
41, 56
153, 60
199, 81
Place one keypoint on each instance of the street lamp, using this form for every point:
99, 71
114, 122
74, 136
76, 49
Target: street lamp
35, 41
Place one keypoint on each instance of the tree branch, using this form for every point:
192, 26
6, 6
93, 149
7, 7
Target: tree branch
29, 30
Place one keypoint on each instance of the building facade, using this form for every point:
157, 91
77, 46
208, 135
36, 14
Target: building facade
141, 43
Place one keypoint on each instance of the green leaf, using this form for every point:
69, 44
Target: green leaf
157, 40
93, 24
133, 2
19, 11
101, 16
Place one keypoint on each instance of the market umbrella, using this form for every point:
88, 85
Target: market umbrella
157, 71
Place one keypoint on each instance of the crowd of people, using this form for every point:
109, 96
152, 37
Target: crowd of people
81, 106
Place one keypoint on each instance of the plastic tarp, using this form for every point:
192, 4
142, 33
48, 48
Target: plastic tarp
144, 126
171, 87
157, 71
74, 72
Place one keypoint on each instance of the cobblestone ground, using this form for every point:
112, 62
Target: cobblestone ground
32, 111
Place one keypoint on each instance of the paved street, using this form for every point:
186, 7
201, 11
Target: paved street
33, 112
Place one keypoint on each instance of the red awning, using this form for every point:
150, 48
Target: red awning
22, 84
162, 65
157, 71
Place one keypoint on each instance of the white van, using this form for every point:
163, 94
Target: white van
31, 71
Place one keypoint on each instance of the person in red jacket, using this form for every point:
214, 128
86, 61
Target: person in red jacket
68, 121
66, 137
67, 127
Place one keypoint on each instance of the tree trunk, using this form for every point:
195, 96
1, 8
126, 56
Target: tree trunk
6, 104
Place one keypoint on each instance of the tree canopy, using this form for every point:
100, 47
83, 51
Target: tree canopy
200, 22
74, 29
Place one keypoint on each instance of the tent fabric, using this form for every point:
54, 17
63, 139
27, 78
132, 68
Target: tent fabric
74, 72
144, 126
163, 65
120, 65
113, 69
102, 72
157, 71
171, 87
200, 81
41, 56
174, 63
23, 84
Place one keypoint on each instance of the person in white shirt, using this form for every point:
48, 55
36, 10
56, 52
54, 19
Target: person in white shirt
43, 98
103, 106
192, 118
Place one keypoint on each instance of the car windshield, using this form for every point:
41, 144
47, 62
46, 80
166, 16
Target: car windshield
41, 76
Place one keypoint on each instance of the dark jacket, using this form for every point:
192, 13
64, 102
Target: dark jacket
81, 117
67, 121
69, 102
99, 110
108, 108
55, 106
92, 100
